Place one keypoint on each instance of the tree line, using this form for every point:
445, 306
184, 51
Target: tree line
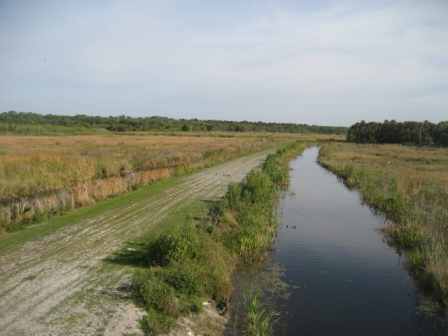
393, 132
122, 123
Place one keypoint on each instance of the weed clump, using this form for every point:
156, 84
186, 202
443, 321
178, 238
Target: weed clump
185, 264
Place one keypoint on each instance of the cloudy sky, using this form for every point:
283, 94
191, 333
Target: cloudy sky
316, 61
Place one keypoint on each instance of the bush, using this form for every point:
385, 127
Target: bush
185, 265
183, 243
155, 323
187, 277
152, 292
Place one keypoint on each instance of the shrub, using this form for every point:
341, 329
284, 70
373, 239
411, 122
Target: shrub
181, 244
151, 292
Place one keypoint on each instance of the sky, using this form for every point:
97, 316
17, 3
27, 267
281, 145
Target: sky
313, 62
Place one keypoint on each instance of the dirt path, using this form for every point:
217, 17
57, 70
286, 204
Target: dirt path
60, 284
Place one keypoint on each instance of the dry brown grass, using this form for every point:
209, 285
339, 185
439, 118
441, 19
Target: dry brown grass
36, 163
421, 163
93, 167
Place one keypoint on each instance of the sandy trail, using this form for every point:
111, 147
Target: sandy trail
60, 284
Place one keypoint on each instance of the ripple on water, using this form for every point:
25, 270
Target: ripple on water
346, 280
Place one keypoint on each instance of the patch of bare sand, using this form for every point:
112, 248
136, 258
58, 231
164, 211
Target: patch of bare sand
209, 322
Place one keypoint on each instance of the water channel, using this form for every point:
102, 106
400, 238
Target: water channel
345, 279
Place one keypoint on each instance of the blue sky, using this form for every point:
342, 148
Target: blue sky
312, 62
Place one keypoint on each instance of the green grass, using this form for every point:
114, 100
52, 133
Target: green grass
261, 316
185, 264
252, 204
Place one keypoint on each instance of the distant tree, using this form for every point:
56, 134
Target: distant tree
441, 134
124, 123
241, 128
408, 132
388, 132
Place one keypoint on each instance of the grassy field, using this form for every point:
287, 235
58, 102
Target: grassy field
68, 172
410, 186
31, 163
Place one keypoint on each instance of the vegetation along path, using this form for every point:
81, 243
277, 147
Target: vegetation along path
62, 284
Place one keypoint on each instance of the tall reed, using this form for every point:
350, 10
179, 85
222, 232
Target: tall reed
261, 316
252, 205
18, 213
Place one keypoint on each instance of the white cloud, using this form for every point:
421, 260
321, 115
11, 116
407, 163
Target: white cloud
237, 61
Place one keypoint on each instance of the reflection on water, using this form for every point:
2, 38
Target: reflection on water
346, 280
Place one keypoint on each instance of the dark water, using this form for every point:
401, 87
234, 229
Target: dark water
347, 280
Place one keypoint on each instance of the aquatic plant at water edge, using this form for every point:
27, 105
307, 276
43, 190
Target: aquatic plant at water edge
260, 316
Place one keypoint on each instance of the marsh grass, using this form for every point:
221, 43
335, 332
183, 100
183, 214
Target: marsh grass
261, 316
252, 206
410, 186
196, 259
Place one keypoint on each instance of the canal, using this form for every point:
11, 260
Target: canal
345, 279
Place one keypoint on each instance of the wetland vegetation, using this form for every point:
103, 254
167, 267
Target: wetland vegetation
43, 176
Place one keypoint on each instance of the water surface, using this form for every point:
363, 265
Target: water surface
347, 280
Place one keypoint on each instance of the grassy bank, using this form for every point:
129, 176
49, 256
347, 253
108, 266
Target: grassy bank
410, 186
196, 259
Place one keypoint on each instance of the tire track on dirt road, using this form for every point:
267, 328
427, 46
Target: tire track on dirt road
60, 284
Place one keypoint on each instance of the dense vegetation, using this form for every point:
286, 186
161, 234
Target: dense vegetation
410, 186
393, 132
196, 259
28, 122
